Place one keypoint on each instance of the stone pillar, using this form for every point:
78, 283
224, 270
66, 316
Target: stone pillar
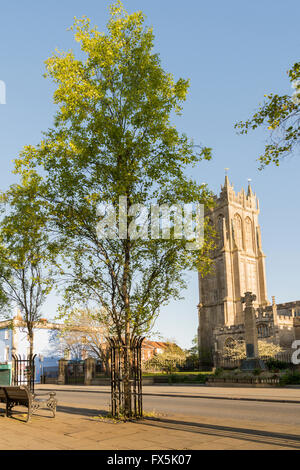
293, 313
297, 327
62, 364
274, 311
89, 369
250, 326
275, 321
252, 360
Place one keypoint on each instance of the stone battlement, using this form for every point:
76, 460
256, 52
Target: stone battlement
229, 329
293, 304
247, 200
264, 316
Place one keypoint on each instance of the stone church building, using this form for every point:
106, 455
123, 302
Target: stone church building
239, 266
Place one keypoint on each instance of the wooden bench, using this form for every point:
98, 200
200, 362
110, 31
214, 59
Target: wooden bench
22, 396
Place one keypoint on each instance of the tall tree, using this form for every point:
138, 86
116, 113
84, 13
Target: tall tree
113, 138
27, 257
281, 115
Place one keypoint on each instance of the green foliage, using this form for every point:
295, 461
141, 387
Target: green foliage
113, 137
169, 361
237, 349
219, 371
194, 378
274, 364
27, 255
281, 115
290, 378
193, 352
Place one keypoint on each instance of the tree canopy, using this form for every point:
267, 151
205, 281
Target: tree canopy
27, 256
111, 155
281, 116
113, 138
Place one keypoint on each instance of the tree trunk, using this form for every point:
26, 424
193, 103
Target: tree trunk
30, 337
31, 368
126, 349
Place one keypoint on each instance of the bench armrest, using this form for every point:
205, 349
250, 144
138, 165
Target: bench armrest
44, 394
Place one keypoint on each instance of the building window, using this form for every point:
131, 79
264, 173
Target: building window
6, 353
263, 331
251, 277
6, 334
230, 343
248, 230
220, 230
237, 231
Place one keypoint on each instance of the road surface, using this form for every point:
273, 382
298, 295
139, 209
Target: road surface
97, 399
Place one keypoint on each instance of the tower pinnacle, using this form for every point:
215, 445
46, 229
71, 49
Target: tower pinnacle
226, 184
250, 192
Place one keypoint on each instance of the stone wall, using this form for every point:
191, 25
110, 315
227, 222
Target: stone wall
282, 330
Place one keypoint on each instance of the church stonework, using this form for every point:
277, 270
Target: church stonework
239, 267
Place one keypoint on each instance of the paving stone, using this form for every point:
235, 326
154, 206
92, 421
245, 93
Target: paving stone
81, 432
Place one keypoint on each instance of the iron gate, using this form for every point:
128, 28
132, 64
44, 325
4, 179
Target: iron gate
118, 355
23, 372
74, 373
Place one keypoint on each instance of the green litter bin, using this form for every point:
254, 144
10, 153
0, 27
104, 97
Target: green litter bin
5, 374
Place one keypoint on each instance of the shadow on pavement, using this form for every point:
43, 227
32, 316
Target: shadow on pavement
58, 390
81, 411
21, 412
253, 435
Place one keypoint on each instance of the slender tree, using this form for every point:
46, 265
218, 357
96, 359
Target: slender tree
113, 138
86, 328
26, 257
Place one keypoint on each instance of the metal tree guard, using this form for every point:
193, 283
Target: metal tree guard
118, 354
23, 371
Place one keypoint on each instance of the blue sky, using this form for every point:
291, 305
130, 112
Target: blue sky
233, 52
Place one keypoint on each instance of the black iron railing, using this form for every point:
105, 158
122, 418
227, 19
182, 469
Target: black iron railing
282, 360
23, 371
126, 392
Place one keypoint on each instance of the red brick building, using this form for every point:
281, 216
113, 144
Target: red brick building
150, 348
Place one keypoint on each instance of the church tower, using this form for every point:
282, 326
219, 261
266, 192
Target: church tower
239, 264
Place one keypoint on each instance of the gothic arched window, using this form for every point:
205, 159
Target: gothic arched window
252, 277
263, 330
237, 230
230, 343
220, 230
249, 235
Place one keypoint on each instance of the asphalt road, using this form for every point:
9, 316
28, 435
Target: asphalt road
274, 413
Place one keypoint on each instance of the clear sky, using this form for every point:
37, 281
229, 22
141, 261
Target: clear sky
234, 52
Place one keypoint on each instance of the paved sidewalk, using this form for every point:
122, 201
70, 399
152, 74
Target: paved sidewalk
75, 428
